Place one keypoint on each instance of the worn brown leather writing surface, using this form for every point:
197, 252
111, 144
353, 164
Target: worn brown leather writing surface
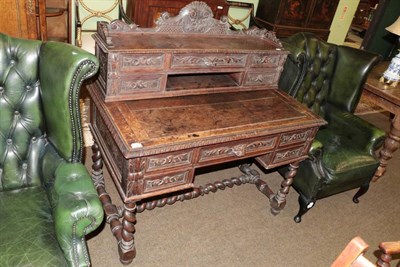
169, 121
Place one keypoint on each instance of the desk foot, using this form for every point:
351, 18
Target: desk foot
278, 201
123, 232
392, 143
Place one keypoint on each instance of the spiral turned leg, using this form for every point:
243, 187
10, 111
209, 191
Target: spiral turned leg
123, 232
278, 202
126, 247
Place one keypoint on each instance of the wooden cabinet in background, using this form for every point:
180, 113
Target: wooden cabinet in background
145, 12
36, 19
287, 17
18, 18
58, 20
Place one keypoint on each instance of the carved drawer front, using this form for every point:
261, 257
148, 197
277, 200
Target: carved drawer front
266, 60
168, 182
138, 62
237, 150
288, 154
136, 84
264, 77
171, 160
295, 137
183, 61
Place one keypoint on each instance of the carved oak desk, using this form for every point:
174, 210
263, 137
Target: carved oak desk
165, 104
388, 98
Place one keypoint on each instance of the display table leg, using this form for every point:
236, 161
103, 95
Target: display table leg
392, 143
123, 232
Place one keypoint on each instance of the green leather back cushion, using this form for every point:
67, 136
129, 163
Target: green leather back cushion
21, 121
333, 74
320, 60
352, 68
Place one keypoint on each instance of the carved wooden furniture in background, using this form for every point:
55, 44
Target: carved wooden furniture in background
186, 94
145, 12
57, 14
287, 17
36, 19
362, 16
53, 21
240, 22
353, 254
18, 18
388, 98
84, 12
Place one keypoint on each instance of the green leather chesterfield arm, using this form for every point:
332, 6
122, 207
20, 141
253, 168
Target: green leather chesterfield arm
329, 80
47, 200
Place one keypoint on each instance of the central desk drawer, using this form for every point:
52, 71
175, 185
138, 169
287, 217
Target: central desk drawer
184, 61
237, 150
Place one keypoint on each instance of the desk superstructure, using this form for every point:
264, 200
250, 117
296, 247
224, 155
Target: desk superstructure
187, 94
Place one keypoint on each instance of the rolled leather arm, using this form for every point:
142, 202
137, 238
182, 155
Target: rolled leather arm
364, 134
316, 149
63, 68
77, 211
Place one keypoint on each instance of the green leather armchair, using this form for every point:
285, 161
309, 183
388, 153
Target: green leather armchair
47, 199
329, 79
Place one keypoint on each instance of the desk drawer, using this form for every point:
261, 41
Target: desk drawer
237, 150
288, 155
167, 182
266, 60
141, 62
185, 61
261, 77
170, 160
296, 137
137, 84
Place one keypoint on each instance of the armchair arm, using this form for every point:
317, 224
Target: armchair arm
316, 149
77, 211
63, 68
361, 132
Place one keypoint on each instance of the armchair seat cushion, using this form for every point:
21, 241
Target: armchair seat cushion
28, 235
344, 167
340, 157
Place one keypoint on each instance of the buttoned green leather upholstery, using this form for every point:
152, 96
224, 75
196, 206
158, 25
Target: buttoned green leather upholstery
329, 79
47, 200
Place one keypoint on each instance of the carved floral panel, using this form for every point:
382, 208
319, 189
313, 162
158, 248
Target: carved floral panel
168, 161
208, 61
167, 181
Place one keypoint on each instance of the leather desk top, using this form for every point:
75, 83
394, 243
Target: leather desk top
145, 125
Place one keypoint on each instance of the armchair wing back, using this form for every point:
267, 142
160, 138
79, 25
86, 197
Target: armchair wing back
47, 200
329, 79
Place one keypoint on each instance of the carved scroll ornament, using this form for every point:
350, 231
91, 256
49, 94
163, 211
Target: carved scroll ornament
196, 17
